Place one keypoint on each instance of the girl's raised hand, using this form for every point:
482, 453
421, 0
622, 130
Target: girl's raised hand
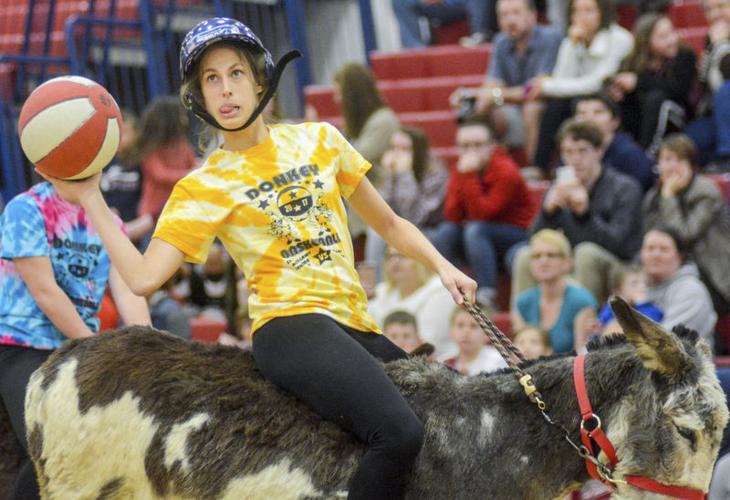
74, 191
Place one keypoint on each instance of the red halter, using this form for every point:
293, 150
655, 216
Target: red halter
591, 431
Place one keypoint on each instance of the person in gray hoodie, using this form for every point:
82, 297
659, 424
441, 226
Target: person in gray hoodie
674, 285
695, 209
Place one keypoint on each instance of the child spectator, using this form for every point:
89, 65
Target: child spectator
630, 284
121, 183
54, 270
474, 354
167, 313
409, 286
401, 328
209, 282
164, 152
532, 341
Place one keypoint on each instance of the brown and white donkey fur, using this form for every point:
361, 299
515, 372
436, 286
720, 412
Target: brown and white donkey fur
141, 414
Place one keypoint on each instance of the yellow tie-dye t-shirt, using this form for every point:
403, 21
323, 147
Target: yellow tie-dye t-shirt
277, 208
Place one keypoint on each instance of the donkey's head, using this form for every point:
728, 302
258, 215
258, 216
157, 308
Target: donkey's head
670, 426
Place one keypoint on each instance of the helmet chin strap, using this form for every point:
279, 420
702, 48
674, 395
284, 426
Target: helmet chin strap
273, 83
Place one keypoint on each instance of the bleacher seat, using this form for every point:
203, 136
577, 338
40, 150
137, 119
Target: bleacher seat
694, 37
687, 14
436, 61
206, 330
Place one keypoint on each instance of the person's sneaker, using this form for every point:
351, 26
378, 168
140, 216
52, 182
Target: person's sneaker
473, 40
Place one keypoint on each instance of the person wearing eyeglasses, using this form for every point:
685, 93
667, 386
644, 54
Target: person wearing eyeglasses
566, 310
487, 207
597, 208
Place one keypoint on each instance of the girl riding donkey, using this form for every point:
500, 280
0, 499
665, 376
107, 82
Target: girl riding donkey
272, 195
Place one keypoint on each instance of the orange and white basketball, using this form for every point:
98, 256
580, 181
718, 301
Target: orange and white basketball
69, 127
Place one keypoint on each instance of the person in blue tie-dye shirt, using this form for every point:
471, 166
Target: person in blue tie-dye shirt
53, 273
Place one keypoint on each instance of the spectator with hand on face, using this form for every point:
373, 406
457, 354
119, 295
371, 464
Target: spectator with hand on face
693, 207
522, 50
487, 207
592, 52
597, 208
654, 82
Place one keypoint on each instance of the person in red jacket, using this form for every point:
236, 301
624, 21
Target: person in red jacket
487, 206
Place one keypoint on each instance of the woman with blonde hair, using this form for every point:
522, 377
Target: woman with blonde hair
557, 304
411, 287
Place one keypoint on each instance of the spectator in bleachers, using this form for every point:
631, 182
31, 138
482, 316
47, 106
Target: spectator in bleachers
474, 354
413, 183
487, 207
564, 309
164, 152
597, 208
401, 328
167, 313
409, 286
654, 82
694, 208
591, 52
409, 13
369, 123
210, 282
621, 152
674, 284
629, 283
54, 270
532, 341
521, 51
711, 131
121, 183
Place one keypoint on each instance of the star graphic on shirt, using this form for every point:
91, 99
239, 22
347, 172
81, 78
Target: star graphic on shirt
318, 184
323, 256
263, 204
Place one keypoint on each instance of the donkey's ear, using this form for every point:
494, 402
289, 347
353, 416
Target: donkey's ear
661, 351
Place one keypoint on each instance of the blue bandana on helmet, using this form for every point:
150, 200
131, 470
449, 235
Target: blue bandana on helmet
219, 29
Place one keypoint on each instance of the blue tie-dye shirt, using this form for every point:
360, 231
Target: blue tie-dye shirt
39, 223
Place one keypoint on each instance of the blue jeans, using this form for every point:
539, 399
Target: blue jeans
479, 244
712, 134
408, 13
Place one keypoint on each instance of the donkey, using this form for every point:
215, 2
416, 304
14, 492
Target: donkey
140, 414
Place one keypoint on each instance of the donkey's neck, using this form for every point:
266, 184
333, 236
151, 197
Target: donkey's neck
519, 454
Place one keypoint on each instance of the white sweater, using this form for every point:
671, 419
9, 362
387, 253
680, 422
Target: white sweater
581, 70
431, 304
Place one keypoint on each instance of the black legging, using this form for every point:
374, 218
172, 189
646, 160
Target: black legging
333, 369
17, 364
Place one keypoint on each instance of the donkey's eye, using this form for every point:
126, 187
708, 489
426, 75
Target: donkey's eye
687, 434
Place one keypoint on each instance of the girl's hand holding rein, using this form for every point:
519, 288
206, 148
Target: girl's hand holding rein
456, 282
